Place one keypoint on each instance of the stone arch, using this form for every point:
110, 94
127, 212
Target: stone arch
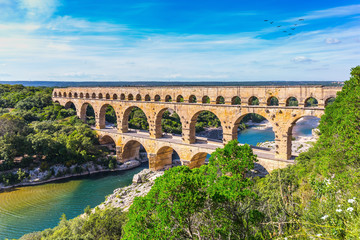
122, 96
87, 95
115, 96
138, 97
57, 102
93, 96
192, 99
292, 101
70, 104
164, 158
107, 96
125, 118
55, 94
103, 139
64, 94
158, 122
238, 121
102, 115
311, 102
70, 95
60, 94
130, 97
132, 150
296, 129
100, 96
236, 100
220, 100
147, 97
272, 101
83, 109
205, 99
109, 142
198, 159
329, 100
192, 129
253, 101
168, 98
157, 98
75, 95
179, 98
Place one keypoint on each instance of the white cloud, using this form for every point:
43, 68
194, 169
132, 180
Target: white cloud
69, 24
332, 41
38, 9
331, 13
302, 59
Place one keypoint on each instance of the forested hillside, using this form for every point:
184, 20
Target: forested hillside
36, 132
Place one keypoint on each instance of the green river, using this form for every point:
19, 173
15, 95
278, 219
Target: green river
28, 209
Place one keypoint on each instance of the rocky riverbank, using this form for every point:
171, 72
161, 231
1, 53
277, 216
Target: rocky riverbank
124, 197
299, 145
58, 172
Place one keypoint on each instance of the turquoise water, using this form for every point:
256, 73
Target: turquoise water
29, 209
253, 136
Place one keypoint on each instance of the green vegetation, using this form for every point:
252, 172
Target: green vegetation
35, 132
214, 201
101, 224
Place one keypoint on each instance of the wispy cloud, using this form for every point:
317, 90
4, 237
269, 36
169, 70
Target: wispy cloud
69, 24
38, 9
302, 59
332, 41
330, 13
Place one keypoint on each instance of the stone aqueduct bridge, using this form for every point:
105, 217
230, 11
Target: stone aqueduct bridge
154, 101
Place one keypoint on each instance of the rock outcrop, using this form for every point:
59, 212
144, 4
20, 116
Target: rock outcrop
124, 197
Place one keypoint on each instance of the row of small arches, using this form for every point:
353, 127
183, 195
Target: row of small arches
272, 101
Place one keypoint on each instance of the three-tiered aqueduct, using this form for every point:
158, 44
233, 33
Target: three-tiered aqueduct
189, 102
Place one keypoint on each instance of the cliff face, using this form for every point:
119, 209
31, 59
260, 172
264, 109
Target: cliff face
124, 197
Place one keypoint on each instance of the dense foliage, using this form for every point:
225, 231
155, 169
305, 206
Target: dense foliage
36, 132
101, 224
214, 201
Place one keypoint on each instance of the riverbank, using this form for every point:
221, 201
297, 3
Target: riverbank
299, 145
38, 177
124, 197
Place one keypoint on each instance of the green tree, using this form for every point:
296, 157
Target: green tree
212, 202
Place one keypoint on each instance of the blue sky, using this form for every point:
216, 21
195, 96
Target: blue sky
116, 40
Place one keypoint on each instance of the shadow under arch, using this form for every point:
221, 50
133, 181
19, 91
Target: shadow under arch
272, 101
329, 101
166, 157
198, 159
107, 114
252, 129
292, 101
206, 120
135, 118
87, 113
71, 105
311, 102
109, 142
167, 120
133, 150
